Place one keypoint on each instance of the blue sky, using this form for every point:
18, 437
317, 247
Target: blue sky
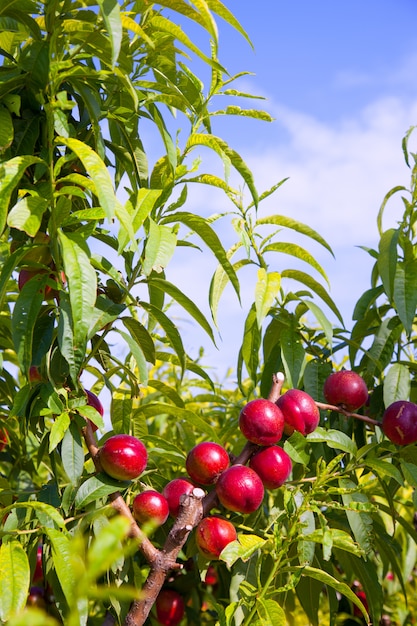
340, 80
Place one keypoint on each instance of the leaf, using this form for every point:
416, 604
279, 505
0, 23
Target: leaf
242, 548
94, 488
25, 313
6, 129
218, 283
315, 286
105, 312
170, 329
159, 248
397, 385
58, 430
203, 229
63, 565
107, 546
15, 578
387, 259
405, 293
27, 214
138, 355
184, 301
289, 222
385, 469
367, 298
110, 11
270, 613
142, 337
251, 343
306, 547
179, 414
298, 252
82, 282
10, 174
360, 522
266, 290
340, 540
324, 323
97, 170
293, 355
334, 438
72, 453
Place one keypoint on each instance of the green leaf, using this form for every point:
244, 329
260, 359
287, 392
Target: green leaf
218, 283
341, 587
27, 214
10, 174
299, 227
139, 357
72, 453
324, 323
397, 385
306, 547
6, 129
266, 290
315, 286
58, 430
251, 343
203, 229
15, 578
360, 522
97, 170
105, 312
387, 259
82, 282
110, 11
340, 540
170, 329
270, 613
334, 438
293, 355
25, 313
405, 293
94, 488
179, 414
159, 248
385, 469
107, 546
298, 252
184, 301
242, 548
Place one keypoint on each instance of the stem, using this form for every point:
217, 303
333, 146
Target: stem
339, 409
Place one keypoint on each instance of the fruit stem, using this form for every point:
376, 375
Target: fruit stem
339, 409
277, 384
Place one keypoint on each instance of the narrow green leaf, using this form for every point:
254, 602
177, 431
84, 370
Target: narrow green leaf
251, 343
293, 355
218, 284
97, 170
365, 301
266, 290
405, 293
105, 312
107, 546
340, 540
298, 252
397, 384
385, 469
58, 430
334, 438
222, 11
72, 453
15, 579
170, 329
10, 174
6, 128
179, 414
387, 259
315, 286
110, 11
159, 248
389, 195
360, 522
299, 227
142, 337
94, 488
184, 301
121, 410
324, 323
242, 548
139, 357
305, 547
24, 318
270, 613
203, 229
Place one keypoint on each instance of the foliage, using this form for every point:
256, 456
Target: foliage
84, 86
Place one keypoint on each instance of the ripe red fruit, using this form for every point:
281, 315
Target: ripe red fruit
27, 274
362, 597
399, 422
211, 578
173, 492
150, 506
34, 374
261, 422
206, 461
346, 389
213, 534
240, 489
169, 607
93, 400
38, 573
123, 457
273, 466
4, 438
299, 410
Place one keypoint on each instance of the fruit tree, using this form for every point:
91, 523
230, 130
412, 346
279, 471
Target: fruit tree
135, 487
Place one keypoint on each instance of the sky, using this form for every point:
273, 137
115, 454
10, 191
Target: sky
339, 78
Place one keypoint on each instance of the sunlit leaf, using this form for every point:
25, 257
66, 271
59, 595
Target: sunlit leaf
15, 578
